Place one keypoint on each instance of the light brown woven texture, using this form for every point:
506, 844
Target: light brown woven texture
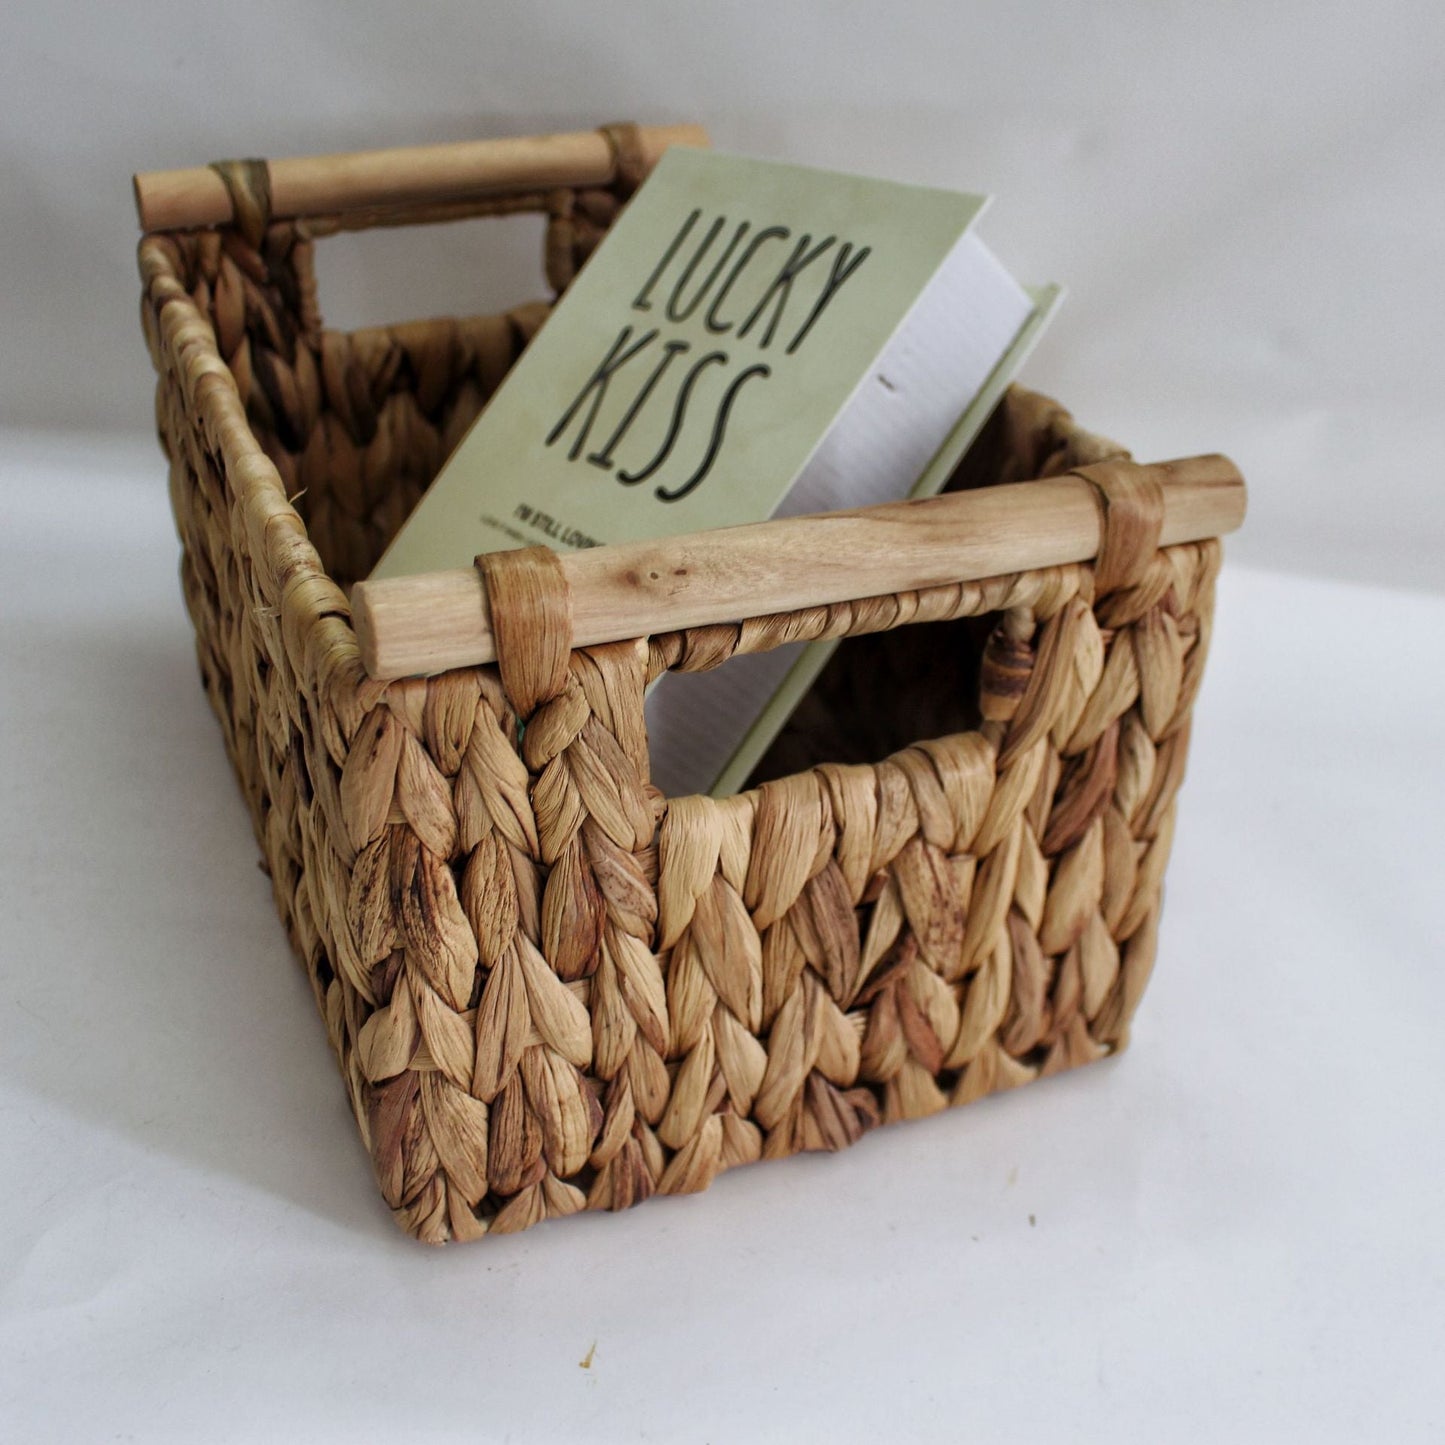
549, 988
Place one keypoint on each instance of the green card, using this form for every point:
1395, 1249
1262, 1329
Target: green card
750, 339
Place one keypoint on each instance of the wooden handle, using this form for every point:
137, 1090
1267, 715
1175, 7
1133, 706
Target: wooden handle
418, 626
406, 176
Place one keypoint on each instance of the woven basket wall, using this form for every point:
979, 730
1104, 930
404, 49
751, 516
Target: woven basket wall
550, 988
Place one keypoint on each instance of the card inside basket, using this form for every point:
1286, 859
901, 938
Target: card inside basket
423, 385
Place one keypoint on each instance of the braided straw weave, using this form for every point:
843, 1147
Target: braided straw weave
550, 988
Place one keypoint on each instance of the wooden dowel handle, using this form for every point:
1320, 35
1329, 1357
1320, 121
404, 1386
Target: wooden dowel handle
418, 626
406, 176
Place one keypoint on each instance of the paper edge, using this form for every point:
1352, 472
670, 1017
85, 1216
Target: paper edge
804, 672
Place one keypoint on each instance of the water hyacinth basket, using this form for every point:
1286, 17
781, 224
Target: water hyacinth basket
549, 987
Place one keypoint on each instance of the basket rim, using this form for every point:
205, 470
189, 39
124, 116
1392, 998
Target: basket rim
315, 614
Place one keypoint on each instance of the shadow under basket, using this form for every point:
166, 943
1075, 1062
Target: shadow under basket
549, 987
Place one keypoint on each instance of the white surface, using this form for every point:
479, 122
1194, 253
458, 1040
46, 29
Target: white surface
1244, 200
1234, 1232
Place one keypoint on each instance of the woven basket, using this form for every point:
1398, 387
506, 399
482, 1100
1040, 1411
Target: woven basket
549, 987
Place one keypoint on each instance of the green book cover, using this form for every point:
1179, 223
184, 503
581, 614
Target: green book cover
751, 339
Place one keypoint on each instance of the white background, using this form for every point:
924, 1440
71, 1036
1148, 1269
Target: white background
1235, 1232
